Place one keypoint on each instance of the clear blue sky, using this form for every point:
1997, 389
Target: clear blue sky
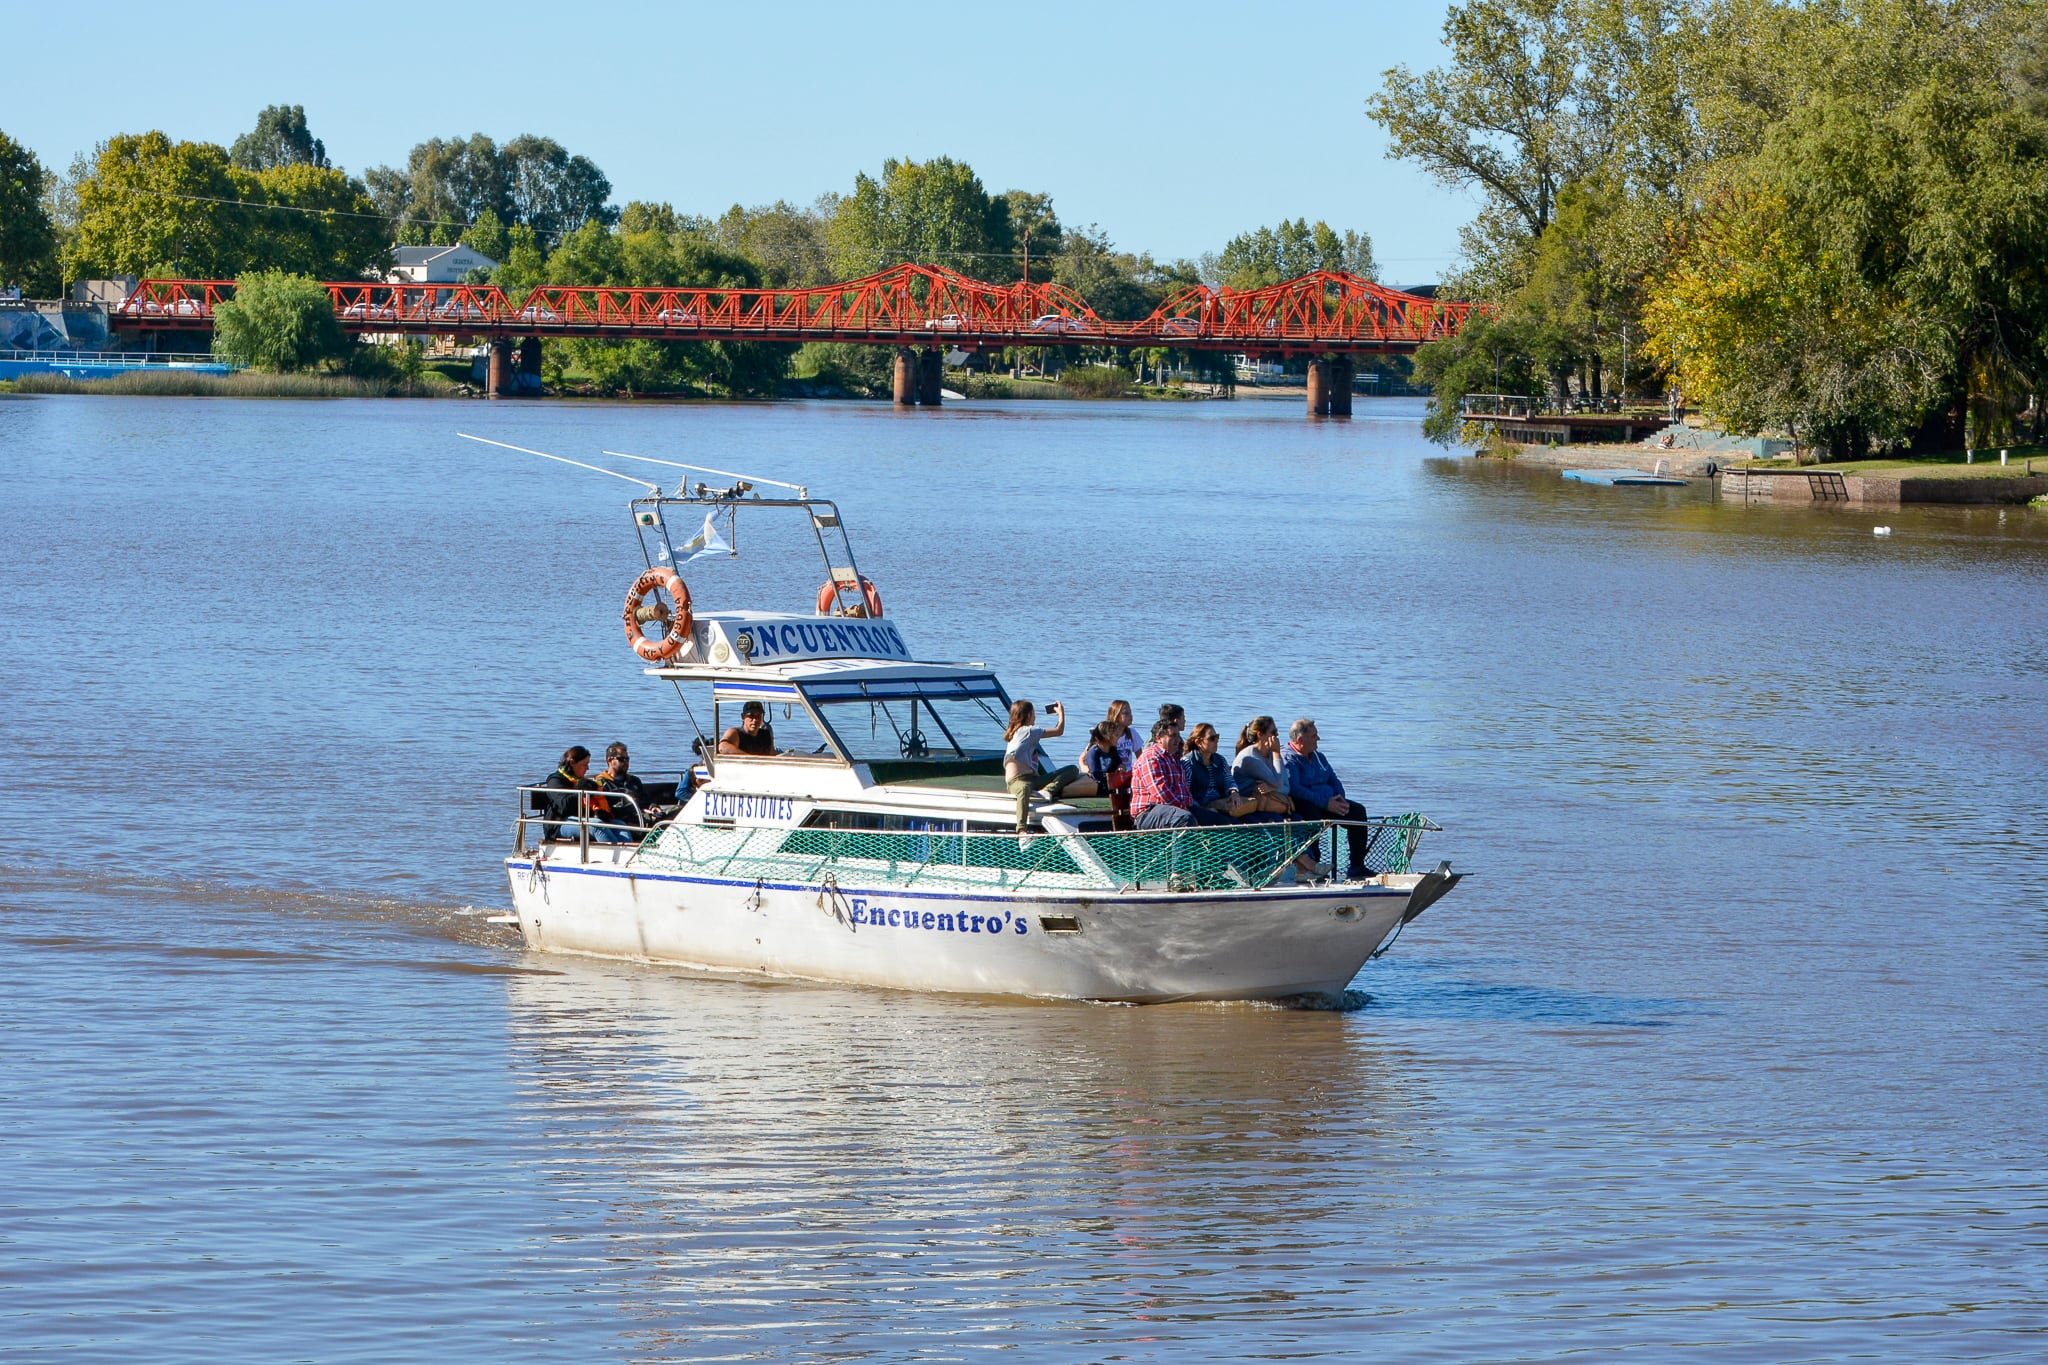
1173, 126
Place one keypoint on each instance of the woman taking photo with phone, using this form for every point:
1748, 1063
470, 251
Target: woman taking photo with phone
1024, 759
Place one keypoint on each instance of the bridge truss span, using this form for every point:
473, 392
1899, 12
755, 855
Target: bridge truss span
1323, 313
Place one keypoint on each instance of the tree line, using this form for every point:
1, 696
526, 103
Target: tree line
1827, 217
273, 203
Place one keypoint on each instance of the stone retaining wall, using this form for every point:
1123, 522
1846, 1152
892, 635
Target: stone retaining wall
1873, 490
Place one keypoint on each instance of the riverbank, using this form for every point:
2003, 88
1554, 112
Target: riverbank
1950, 479
240, 384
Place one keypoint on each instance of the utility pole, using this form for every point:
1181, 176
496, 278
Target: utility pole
1017, 370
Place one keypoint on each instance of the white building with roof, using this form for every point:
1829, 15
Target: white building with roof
435, 264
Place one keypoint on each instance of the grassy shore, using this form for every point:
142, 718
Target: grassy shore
242, 384
1945, 465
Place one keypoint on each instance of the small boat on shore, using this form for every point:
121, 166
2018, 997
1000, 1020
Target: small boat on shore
1625, 478
876, 844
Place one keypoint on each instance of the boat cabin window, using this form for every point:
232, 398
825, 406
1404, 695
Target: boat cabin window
920, 719
796, 734
881, 822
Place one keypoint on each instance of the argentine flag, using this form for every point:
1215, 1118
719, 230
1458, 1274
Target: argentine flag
705, 542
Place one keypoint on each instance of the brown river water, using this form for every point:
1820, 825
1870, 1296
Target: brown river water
1729, 1049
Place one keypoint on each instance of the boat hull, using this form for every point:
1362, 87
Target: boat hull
1147, 947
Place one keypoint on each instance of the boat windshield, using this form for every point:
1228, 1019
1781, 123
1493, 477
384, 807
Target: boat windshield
933, 719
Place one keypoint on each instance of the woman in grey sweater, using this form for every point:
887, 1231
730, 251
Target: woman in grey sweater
1257, 771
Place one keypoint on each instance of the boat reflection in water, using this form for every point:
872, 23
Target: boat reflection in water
780, 1160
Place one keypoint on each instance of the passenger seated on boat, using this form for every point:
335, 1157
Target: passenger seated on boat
753, 736
1261, 776
1319, 795
1257, 772
1024, 758
1177, 717
1159, 784
1104, 763
618, 777
1117, 722
568, 779
1214, 792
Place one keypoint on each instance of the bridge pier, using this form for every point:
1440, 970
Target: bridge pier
931, 376
904, 390
529, 364
1319, 388
498, 372
1343, 376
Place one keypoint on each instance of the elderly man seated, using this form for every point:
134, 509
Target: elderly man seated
1319, 795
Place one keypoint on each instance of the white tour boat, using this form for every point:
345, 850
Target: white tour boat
877, 845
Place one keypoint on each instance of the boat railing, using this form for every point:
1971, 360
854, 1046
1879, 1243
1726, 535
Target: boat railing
547, 807
1235, 857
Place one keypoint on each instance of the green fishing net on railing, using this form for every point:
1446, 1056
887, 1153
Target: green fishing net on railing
1204, 858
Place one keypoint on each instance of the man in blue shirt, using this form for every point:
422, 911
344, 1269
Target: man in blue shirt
1319, 795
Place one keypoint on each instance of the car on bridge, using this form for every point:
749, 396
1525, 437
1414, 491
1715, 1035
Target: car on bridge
949, 322
177, 308
1060, 322
1180, 327
459, 310
534, 312
370, 312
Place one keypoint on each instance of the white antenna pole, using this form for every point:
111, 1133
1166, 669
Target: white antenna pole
796, 488
653, 488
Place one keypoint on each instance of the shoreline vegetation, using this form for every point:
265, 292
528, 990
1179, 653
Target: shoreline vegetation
1815, 219
1111, 386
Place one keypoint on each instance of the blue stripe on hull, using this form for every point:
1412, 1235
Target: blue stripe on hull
1322, 893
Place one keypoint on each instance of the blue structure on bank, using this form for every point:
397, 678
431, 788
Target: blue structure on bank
71, 339
103, 364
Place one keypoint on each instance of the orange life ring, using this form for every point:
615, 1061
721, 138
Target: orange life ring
679, 621
869, 605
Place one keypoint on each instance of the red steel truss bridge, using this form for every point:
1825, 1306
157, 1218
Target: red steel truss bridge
1326, 313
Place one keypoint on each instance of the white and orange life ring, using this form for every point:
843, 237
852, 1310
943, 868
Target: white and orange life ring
679, 621
870, 603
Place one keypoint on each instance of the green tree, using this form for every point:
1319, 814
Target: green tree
449, 184
320, 223
28, 240
1027, 217
1265, 256
1115, 283
1510, 115
551, 191
1489, 355
524, 266
488, 236
652, 258
446, 185
644, 216
786, 242
280, 138
931, 212
278, 322
156, 207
